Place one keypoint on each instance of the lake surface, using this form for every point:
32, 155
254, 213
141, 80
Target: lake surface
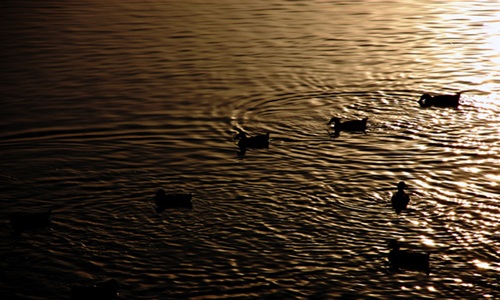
103, 103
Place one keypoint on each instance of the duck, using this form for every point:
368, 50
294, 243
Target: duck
352, 125
258, 141
407, 259
400, 200
22, 222
427, 100
102, 291
164, 201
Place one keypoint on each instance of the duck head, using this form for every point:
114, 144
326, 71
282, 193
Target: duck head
240, 135
424, 100
394, 245
402, 185
160, 193
333, 120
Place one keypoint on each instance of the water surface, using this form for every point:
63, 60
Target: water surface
104, 103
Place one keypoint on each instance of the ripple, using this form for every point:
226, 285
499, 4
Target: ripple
114, 101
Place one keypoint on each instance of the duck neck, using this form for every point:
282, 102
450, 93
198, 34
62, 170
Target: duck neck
242, 136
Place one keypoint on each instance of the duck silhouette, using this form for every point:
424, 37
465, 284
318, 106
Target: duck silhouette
352, 125
400, 200
407, 259
427, 100
22, 222
164, 201
258, 141
102, 291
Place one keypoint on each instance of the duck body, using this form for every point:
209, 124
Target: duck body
427, 100
352, 125
258, 141
400, 200
21, 222
164, 201
104, 291
407, 259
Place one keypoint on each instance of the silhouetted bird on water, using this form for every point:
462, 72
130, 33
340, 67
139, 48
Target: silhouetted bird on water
440, 100
407, 259
103, 291
164, 201
400, 200
21, 222
353, 125
258, 141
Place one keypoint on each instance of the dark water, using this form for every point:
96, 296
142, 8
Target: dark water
104, 102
